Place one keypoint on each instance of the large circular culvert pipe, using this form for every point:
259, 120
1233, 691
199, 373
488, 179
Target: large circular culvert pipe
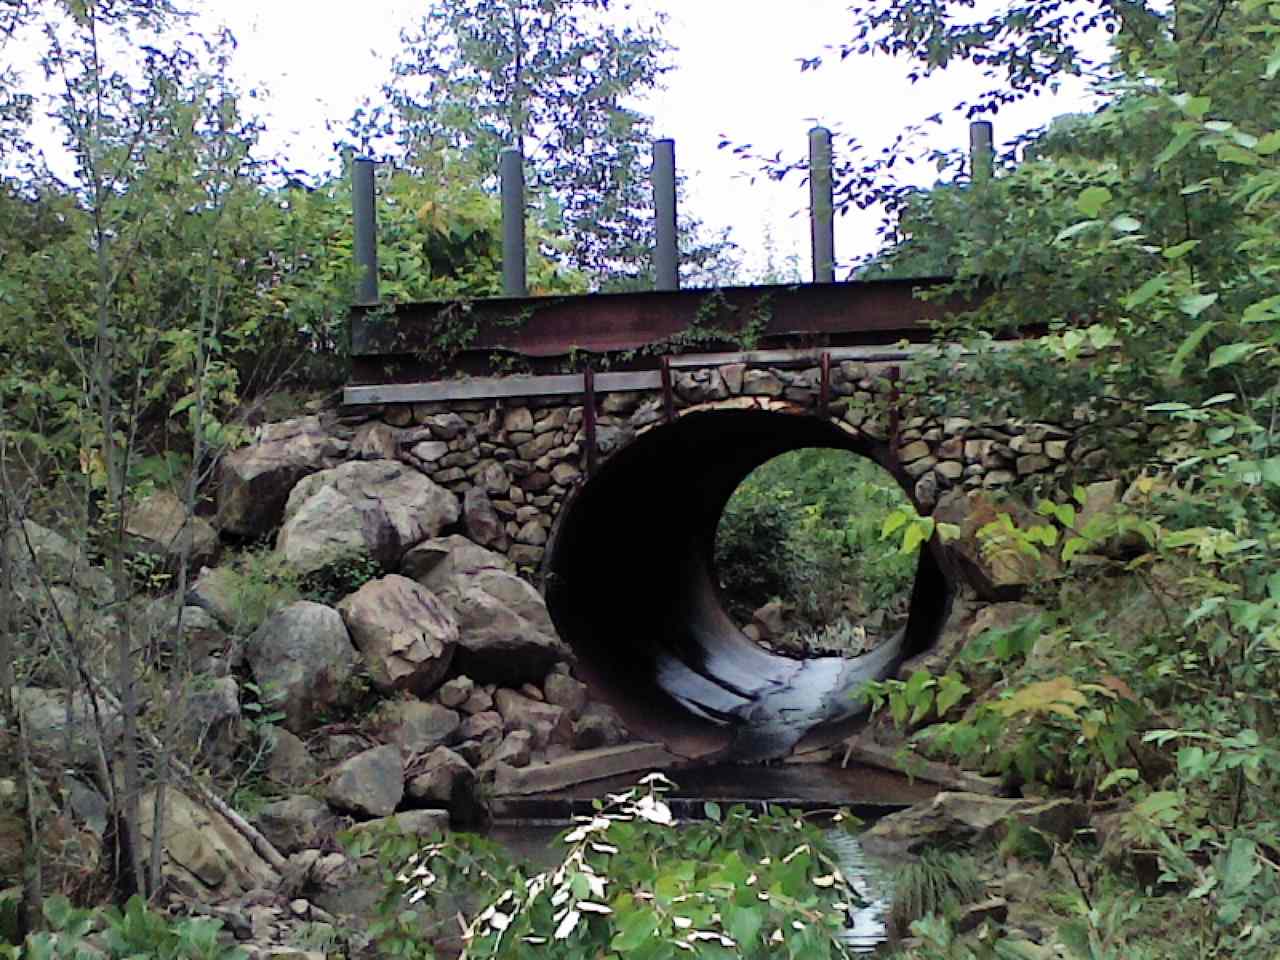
631, 586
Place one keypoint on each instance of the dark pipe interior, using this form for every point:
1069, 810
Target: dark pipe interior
631, 582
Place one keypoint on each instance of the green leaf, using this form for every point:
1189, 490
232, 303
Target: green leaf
1194, 306
1175, 146
634, 931
951, 690
1123, 775
892, 522
1188, 347
1230, 353
712, 811
1197, 107
1180, 250
1125, 224
1240, 868
1092, 199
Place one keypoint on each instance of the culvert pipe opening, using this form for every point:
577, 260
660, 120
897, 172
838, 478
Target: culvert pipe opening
632, 585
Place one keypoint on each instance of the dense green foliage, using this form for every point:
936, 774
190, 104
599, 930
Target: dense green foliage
628, 881
1146, 237
804, 528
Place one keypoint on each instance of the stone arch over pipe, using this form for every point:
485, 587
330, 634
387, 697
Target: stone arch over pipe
630, 583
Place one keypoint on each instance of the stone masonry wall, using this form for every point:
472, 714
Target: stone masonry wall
515, 462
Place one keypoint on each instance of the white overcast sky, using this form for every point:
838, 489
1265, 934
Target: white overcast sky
736, 73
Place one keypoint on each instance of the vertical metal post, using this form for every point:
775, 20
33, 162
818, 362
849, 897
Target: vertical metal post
668, 400
364, 214
511, 172
982, 154
821, 206
824, 395
589, 418
667, 255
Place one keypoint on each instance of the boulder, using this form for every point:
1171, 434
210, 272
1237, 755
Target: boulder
416, 727
33, 548
406, 635
370, 784
448, 781
161, 527
599, 726
439, 564
994, 566
770, 621
217, 590
289, 762
255, 481
481, 521
376, 508
486, 726
515, 750
456, 692
505, 633
956, 818
61, 724
303, 654
205, 858
211, 718
564, 691
547, 722
295, 823
421, 823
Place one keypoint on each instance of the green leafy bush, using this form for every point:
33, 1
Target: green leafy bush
633, 882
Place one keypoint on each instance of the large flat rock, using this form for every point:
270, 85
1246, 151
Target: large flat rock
581, 767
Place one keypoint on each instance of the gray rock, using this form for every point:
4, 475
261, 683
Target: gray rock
212, 716
438, 564
456, 692
35, 549
416, 727
448, 781
370, 784
289, 763
762, 383
481, 521
494, 479
965, 818
376, 441
505, 633
545, 721
515, 750
378, 509
405, 634
480, 701
421, 823
161, 527
564, 691
303, 654
63, 724
205, 857
482, 726
255, 481
295, 823
216, 589
599, 726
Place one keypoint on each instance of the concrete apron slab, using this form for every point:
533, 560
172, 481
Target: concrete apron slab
867, 792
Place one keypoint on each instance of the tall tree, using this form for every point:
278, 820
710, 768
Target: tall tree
557, 79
